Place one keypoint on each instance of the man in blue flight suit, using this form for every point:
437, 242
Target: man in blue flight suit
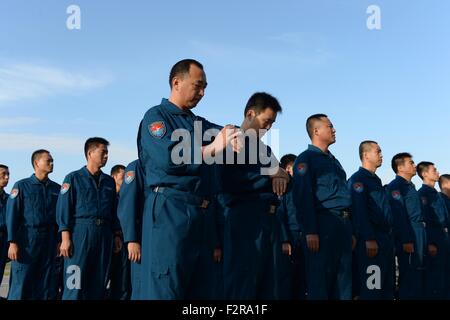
32, 232
323, 201
4, 179
87, 219
293, 279
120, 274
444, 185
129, 212
373, 223
250, 201
409, 228
436, 217
179, 242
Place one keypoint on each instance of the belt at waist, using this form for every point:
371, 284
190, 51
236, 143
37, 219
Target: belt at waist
92, 221
342, 213
183, 196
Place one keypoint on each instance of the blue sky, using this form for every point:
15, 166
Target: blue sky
59, 86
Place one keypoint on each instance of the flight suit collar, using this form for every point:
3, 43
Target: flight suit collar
404, 181
173, 109
429, 189
88, 175
445, 196
366, 172
35, 180
316, 149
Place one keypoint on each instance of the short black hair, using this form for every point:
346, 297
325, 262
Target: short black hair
422, 167
399, 159
364, 146
115, 170
443, 177
182, 68
37, 154
93, 143
286, 159
260, 101
310, 122
2, 166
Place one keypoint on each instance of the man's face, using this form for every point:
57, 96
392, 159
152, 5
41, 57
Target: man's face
374, 155
191, 87
431, 174
290, 168
44, 163
118, 177
98, 156
261, 121
325, 131
4, 177
408, 167
445, 186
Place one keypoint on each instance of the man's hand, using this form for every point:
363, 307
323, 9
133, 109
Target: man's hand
229, 135
432, 250
312, 242
134, 251
280, 181
371, 248
65, 249
286, 248
13, 251
117, 243
217, 255
408, 247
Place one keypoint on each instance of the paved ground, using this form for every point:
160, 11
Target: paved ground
4, 285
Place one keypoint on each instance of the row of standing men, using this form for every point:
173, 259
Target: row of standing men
227, 231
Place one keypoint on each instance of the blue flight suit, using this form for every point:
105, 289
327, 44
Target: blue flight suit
179, 219
409, 227
323, 201
88, 212
292, 280
373, 220
129, 212
31, 223
3, 234
250, 227
120, 272
436, 218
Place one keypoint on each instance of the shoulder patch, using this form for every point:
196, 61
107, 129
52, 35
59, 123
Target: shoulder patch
157, 129
302, 168
424, 200
358, 187
65, 187
129, 177
396, 195
14, 193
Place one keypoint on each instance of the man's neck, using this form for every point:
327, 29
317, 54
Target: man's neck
429, 183
322, 146
174, 100
41, 176
93, 169
407, 177
369, 167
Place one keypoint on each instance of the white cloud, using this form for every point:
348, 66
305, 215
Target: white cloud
18, 121
66, 145
25, 81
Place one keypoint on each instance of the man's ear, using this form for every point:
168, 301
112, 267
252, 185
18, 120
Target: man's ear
250, 115
175, 82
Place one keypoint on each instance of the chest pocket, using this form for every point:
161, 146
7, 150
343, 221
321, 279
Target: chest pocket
33, 210
106, 201
89, 201
326, 179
